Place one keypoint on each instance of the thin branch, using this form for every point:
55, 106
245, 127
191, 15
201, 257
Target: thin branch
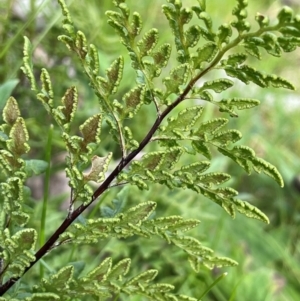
122, 140
156, 104
71, 203
124, 161
119, 184
105, 185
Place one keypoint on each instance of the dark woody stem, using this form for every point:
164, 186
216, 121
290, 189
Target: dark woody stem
105, 185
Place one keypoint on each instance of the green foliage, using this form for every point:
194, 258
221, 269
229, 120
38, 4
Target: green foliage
5, 91
183, 145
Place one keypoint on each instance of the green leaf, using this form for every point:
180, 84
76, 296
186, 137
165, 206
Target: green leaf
195, 168
7, 159
235, 59
288, 44
211, 126
140, 212
195, 262
208, 35
184, 121
100, 273
285, 15
144, 277
3, 137
171, 157
78, 267
6, 90
242, 151
70, 101
120, 269
206, 53
81, 44
98, 169
141, 184
47, 90
130, 142
226, 137
260, 165
161, 55
185, 16
202, 148
235, 72
67, 20
11, 111
136, 24
218, 85
148, 42
289, 31
250, 74
91, 129
258, 41
213, 178
227, 105
159, 160
253, 50
13, 191
177, 18
253, 75
263, 21
226, 192
185, 298
241, 26
68, 41
117, 205
191, 245
226, 204
241, 13
201, 6
163, 288
216, 196
114, 75
211, 262
224, 33
192, 35
244, 155
250, 210
206, 19
26, 238
18, 250
61, 279
150, 161
124, 9
271, 44
19, 137
279, 82
27, 63
240, 155
93, 59
35, 167
178, 77
116, 21
174, 224
133, 100
160, 60
204, 95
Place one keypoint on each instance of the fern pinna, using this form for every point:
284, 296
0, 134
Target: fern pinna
200, 49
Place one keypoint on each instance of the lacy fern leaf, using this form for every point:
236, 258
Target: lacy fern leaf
177, 150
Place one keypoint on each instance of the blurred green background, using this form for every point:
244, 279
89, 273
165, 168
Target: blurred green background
268, 256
